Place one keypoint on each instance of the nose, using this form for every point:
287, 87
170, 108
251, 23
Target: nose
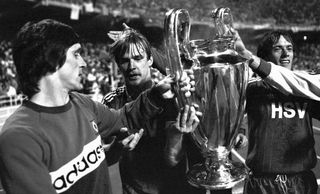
82, 63
131, 64
285, 52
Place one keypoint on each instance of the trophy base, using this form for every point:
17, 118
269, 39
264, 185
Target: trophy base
231, 174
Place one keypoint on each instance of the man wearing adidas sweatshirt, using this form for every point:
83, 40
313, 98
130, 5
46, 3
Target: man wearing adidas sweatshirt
52, 143
280, 107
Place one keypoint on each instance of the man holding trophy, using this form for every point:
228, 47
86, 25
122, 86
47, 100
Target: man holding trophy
144, 169
281, 145
281, 149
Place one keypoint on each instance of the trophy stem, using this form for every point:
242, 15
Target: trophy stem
217, 172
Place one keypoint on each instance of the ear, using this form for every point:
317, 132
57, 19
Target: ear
150, 61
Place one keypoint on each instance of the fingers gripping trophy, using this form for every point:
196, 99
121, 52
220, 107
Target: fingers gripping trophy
221, 77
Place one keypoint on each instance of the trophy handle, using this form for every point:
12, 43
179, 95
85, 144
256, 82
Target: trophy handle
176, 32
178, 51
223, 22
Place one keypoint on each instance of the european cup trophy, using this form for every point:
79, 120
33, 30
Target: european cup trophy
221, 77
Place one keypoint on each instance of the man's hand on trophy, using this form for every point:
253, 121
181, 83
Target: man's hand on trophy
186, 84
186, 122
164, 87
241, 141
240, 47
254, 61
187, 119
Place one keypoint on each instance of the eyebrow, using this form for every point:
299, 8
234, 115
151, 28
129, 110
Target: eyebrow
274, 46
78, 50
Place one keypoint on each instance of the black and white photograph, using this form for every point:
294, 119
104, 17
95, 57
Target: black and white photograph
159, 97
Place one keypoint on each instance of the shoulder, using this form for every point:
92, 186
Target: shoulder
259, 88
114, 95
83, 102
77, 97
22, 118
257, 82
20, 132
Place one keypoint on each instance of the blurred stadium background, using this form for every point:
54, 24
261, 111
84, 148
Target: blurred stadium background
92, 19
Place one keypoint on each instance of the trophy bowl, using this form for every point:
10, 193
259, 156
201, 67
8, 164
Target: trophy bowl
221, 78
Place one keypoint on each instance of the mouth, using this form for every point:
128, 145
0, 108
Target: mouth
133, 76
81, 76
284, 61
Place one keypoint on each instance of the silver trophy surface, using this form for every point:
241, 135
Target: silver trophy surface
221, 77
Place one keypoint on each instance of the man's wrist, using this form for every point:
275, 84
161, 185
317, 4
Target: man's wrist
264, 69
254, 61
246, 54
155, 96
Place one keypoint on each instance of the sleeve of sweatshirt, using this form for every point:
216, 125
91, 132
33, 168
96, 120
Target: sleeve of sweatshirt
22, 169
296, 83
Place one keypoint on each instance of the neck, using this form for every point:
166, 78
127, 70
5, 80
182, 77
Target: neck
134, 91
51, 94
45, 99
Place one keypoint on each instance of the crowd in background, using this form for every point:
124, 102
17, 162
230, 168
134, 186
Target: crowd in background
8, 84
308, 58
281, 12
102, 74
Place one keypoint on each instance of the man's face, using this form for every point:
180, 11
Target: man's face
135, 66
282, 53
70, 73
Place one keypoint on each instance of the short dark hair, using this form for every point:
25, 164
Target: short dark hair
268, 40
129, 38
40, 48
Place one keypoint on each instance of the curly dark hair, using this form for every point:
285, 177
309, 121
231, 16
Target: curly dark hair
267, 42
